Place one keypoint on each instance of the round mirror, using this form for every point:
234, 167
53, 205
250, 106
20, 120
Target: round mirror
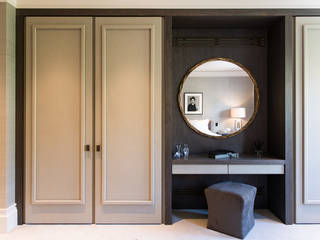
218, 98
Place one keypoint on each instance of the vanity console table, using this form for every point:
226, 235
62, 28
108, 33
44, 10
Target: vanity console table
192, 176
245, 164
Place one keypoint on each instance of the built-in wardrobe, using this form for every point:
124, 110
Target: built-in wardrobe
98, 119
93, 120
307, 119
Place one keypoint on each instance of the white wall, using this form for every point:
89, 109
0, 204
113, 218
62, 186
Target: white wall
8, 211
165, 3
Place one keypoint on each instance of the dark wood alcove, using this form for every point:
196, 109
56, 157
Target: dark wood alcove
258, 43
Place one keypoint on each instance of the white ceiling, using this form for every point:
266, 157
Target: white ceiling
164, 3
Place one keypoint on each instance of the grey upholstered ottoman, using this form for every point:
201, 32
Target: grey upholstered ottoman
230, 208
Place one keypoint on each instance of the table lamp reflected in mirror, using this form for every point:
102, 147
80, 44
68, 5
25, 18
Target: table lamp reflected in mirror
238, 114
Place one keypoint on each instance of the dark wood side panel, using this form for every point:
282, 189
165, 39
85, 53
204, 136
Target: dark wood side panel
167, 109
20, 117
277, 196
276, 89
290, 135
280, 127
276, 109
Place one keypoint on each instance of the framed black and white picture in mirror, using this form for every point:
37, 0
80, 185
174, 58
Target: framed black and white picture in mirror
193, 103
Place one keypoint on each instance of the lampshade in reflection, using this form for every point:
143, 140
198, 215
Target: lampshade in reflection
238, 112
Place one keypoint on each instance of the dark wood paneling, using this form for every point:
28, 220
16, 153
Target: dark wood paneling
254, 58
276, 89
188, 190
20, 117
167, 110
276, 108
289, 116
235, 21
277, 196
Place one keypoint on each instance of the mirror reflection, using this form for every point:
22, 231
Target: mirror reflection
218, 98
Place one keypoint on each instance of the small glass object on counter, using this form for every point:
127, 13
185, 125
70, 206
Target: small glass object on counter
259, 153
181, 150
258, 145
178, 153
185, 151
234, 155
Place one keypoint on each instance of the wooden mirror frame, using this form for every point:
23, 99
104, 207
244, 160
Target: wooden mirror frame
256, 98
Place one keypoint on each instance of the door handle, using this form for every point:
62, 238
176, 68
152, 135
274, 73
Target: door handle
98, 148
87, 148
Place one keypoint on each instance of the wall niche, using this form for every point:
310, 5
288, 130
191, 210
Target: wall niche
258, 43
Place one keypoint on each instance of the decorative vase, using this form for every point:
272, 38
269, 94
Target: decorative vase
178, 152
185, 151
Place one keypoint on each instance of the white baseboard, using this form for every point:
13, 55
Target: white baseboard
8, 218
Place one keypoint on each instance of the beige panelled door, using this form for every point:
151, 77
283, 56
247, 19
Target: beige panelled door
58, 182
59, 173
128, 120
307, 119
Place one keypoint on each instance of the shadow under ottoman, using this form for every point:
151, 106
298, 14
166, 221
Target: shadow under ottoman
230, 208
